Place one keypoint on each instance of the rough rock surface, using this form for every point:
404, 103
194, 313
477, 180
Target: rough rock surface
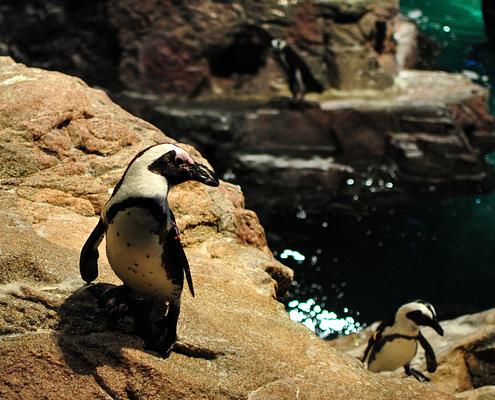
465, 355
208, 47
63, 146
346, 151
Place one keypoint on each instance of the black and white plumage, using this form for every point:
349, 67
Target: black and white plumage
142, 239
395, 341
299, 76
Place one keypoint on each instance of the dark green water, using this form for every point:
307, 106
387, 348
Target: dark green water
352, 271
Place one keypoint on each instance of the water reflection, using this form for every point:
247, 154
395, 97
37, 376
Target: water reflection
323, 322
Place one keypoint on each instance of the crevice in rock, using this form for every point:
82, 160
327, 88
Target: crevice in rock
84, 149
131, 394
283, 280
34, 297
101, 383
64, 123
380, 36
49, 152
190, 350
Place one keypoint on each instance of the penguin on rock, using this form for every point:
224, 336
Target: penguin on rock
142, 240
395, 341
299, 76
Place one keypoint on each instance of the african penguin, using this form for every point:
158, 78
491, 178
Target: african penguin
395, 342
298, 73
142, 239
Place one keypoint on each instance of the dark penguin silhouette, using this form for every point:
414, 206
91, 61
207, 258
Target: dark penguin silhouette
395, 342
299, 76
142, 240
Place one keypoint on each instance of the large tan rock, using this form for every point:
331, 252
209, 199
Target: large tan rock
63, 146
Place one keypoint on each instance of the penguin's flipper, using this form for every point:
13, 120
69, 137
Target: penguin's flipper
88, 260
371, 342
431, 361
374, 339
174, 245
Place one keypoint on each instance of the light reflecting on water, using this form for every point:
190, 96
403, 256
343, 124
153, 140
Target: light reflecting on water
323, 322
294, 254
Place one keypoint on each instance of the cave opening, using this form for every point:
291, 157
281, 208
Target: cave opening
245, 55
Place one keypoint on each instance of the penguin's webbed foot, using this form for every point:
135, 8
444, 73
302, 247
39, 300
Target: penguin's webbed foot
162, 344
416, 374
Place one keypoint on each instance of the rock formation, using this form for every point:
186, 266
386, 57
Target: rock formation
63, 146
348, 151
465, 355
373, 138
193, 48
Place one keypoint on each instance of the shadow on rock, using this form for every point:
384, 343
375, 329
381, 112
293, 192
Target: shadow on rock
88, 338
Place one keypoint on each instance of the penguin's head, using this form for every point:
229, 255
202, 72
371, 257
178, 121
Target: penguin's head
177, 166
420, 313
278, 45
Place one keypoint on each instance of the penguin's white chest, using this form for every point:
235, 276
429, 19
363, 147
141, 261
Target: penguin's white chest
135, 253
394, 354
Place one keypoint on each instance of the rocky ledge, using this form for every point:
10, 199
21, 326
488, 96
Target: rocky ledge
465, 355
63, 146
343, 151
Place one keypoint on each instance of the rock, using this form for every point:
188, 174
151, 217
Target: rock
465, 354
208, 48
483, 393
406, 35
344, 151
71, 145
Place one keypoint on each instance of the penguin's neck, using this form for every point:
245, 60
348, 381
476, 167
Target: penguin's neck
140, 184
403, 326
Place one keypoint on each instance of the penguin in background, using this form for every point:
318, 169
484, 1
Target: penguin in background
299, 76
395, 342
142, 241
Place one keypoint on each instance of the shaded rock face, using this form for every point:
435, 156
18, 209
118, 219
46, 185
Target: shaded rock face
344, 152
193, 48
465, 355
74, 37
63, 147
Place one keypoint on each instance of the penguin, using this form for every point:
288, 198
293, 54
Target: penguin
142, 239
300, 78
395, 341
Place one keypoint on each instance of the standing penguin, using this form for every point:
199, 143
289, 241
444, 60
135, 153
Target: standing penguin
395, 342
142, 238
300, 78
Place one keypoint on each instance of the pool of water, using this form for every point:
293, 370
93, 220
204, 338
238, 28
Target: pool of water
352, 271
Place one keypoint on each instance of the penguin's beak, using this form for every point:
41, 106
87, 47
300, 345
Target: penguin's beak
199, 172
436, 326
